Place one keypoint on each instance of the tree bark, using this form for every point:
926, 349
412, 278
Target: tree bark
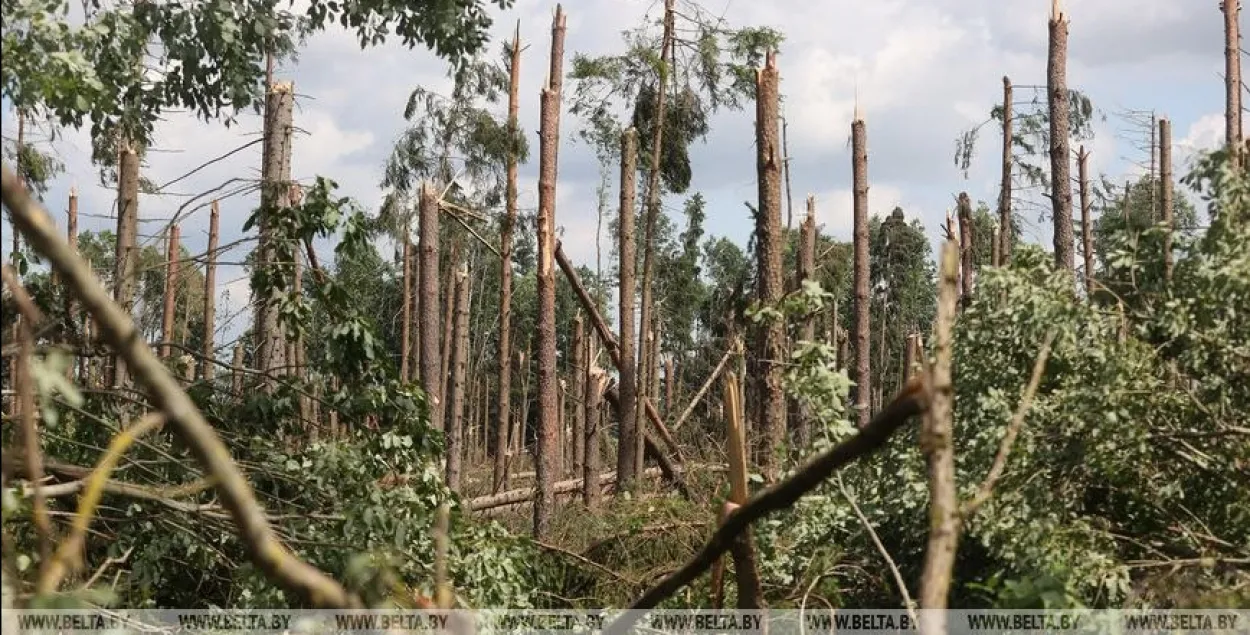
504, 414
807, 330
770, 336
460, 353
171, 292
208, 370
276, 173
967, 248
405, 327
1166, 194
578, 372
428, 298
126, 258
448, 328
859, 177
1232, 79
547, 463
1060, 140
593, 396
1087, 227
938, 445
1005, 222
627, 444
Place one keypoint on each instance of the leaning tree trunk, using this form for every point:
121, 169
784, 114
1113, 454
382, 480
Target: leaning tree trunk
127, 256
859, 177
547, 464
276, 174
1232, 79
504, 359
1166, 194
770, 336
627, 445
1005, 233
1060, 140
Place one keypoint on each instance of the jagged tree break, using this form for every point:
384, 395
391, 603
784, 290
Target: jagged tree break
859, 180
1060, 107
770, 333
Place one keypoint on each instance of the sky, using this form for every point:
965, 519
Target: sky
921, 72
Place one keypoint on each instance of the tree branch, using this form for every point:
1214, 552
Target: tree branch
909, 402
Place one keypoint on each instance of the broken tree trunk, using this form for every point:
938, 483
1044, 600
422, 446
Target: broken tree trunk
593, 396
1087, 227
578, 372
770, 335
405, 327
208, 370
427, 227
276, 174
460, 353
504, 414
1004, 192
127, 255
1232, 80
801, 424
1060, 139
859, 176
547, 459
967, 248
1166, 194
171, 292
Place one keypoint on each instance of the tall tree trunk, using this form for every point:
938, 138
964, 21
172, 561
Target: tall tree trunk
208, 370
770, 336
448, 335
1005, 232
785, 165
1232, 79
578, 373
276, 174
1060, 139
236, 372
967, 248
627, 444
1087, 227
427, 228
405, 327
126, 258
71, 235
504, 415
171, 292
547, 467
939, 448
1166, 194
859, 176
590, 444
460, 354
807, 329
653, 210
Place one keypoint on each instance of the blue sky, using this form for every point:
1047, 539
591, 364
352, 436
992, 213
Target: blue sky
922, 71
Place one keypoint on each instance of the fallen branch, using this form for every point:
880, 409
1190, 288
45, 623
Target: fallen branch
711, 379
1013, 430
586, 561
118, 330
672, 473
906, 404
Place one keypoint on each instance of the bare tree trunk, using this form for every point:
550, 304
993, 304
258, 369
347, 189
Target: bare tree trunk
627, 446
126, 258
1232, 79
547, 464
652, 214
71, 235
590, 467
1060, 139
405, 327
208, 370
670, 384
770, 336
996, 252
524, 361
448, 338
504, 415
1166, 194
863, 366
967, 247
171, 292
807, 331
427, 227
1005, 232
785, 165
939, 449
455, 427
578, 372
236, 372
276, 173
1087, 227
